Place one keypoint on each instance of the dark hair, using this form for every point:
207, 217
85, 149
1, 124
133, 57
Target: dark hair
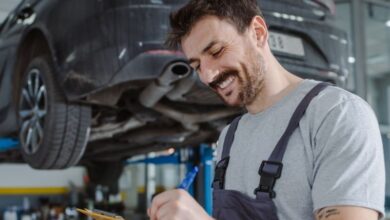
238, 12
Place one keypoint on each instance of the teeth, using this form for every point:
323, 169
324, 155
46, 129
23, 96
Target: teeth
225, 83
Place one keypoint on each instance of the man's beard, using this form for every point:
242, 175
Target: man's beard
250, 82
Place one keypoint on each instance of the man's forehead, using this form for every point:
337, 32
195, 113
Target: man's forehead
204, 32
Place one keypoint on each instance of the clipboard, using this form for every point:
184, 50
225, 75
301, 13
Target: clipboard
100, 215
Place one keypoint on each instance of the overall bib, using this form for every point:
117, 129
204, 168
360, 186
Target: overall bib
234, 205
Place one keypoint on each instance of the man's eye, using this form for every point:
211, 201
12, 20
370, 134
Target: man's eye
218, 52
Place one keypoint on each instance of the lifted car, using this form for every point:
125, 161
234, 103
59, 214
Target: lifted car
91, 79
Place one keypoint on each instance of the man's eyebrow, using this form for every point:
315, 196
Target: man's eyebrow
211, 44
192, 60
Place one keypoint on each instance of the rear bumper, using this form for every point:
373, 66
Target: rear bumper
325, 46
137, 73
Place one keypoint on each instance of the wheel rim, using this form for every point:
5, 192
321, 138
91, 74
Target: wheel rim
32, 112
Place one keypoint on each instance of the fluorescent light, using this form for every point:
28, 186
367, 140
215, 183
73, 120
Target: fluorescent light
388, 23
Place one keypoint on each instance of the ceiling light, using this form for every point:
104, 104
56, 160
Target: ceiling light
171, 150
388, 23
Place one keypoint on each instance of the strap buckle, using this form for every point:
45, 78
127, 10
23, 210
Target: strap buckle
219, 176
269, 172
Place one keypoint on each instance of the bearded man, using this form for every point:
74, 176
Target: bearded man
304, 149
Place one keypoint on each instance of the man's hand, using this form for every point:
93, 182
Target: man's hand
346, 213
176, 205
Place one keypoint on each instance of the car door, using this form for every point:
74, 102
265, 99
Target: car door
4, 87
74, 30
10, 34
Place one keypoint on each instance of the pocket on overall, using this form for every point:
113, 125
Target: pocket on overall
234, 205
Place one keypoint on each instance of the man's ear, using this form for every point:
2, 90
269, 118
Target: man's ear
261, 31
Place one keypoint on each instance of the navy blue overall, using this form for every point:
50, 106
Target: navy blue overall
234, 205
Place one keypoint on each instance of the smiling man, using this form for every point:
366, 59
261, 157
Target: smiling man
316, 147
238, 77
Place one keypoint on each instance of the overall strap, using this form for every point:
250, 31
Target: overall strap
271, 169
220, 169
229, 137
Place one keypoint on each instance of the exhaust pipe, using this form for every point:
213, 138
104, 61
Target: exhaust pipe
164, 84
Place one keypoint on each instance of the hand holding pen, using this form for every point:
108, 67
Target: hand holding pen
178, 203
103, 215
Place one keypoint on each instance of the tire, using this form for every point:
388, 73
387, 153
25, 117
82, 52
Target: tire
53, 132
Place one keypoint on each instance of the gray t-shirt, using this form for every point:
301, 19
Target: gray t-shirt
335, 157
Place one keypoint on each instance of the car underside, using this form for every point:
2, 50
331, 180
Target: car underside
102, 87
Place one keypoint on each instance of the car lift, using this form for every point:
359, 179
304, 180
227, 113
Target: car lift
8, 143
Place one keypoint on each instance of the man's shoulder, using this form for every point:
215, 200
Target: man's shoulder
333, 97
335, 107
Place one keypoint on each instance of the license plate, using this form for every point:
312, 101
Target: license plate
286, 44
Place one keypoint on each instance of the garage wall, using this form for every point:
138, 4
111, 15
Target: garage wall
21, 175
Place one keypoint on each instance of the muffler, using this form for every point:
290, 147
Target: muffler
165, 83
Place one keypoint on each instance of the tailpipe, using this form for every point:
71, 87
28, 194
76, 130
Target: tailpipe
165, 83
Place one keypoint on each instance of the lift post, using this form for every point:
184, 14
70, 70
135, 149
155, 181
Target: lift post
8, 143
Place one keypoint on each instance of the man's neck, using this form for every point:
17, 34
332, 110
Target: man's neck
276, 85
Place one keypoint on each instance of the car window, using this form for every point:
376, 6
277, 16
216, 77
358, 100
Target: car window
11, 18
329, 4
4, 23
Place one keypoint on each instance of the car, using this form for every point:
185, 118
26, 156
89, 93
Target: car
91, 82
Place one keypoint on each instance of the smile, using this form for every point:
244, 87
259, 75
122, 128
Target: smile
224, 84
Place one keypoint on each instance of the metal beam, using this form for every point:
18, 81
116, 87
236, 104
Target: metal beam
359, 40
8, 143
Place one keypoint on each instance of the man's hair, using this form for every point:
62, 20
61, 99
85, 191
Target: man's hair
238, 12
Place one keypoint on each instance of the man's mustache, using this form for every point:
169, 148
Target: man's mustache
222, 77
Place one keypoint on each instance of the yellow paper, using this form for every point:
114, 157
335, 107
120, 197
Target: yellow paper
99, 216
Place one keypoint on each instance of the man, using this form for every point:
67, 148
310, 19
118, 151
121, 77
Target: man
333, 166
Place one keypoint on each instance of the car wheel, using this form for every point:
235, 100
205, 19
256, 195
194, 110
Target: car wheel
53, 132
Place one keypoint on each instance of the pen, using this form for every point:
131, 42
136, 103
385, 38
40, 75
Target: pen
188, 179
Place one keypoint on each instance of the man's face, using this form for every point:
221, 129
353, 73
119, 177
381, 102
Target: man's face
227, 61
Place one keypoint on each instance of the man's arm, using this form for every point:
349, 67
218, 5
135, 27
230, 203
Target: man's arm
349, 166
346, 213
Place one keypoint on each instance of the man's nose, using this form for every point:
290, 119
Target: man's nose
208, 72
208, 75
